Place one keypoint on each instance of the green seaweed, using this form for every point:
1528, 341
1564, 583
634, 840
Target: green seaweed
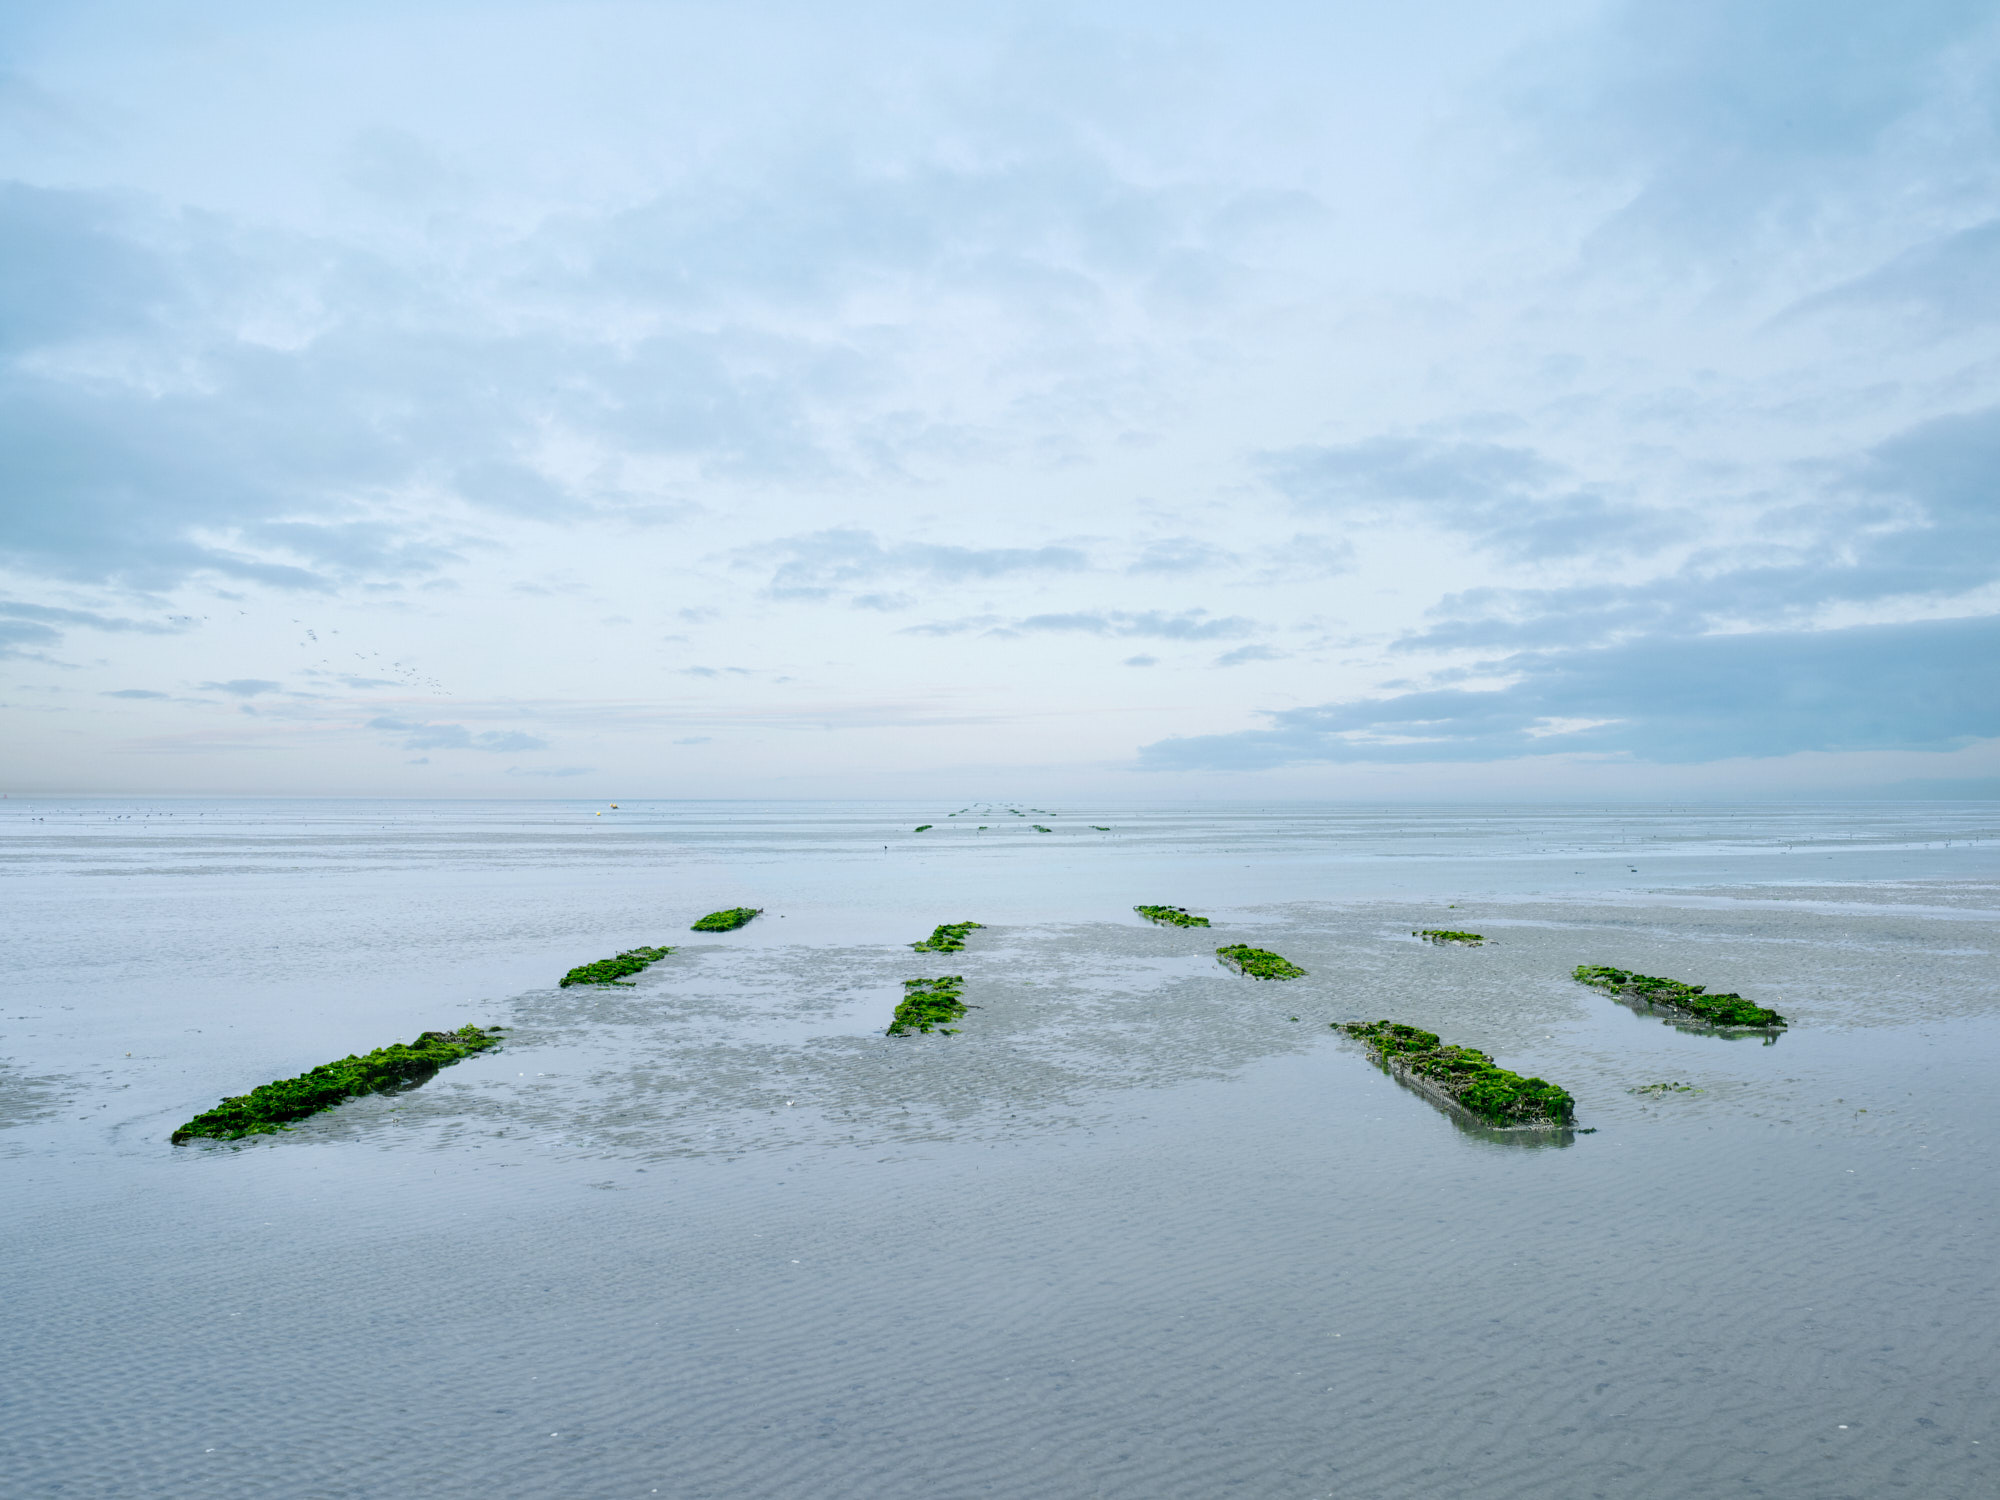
948, 937
614, 970
1468, 1075
1258, 963
1654, 1090
1671, 994
1171, 916
1102, 827
1444, 935
1039, 829
270, 1107
728, 920
927, 827
928, 1004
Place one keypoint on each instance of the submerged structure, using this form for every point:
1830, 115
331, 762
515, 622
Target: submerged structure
1257, 963
271, 1107
614, 970
1442, 936
947, 937
1730, 1011
1171, 916
727, 920
928, 1004
1463, 1078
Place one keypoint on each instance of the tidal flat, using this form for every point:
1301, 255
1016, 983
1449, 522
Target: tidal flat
711, 1233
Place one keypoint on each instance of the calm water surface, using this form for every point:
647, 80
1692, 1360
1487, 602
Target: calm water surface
1142, 1229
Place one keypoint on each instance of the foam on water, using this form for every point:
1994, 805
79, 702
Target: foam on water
1134, 1231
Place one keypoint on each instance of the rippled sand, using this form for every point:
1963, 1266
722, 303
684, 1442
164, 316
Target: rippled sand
1134, 1231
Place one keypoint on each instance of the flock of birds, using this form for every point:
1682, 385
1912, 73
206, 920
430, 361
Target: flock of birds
396, 673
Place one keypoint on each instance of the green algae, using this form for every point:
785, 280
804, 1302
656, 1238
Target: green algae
1171, 916
271, 1107
1039, 829
1258, 963
1730, 1010
948, 937
1654, 1090
1444, 935
927, 827
1101, 827
614, 970
728, 920
1465, 1075
928, 1004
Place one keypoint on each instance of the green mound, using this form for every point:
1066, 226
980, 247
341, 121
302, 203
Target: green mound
727, 921
267, 1108
1466, 1074
928, 1004
948, 938
1671, 994
1258, 963
1171, 916
614, 970
1443, 935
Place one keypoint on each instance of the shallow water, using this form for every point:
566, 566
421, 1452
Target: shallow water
1142, 1228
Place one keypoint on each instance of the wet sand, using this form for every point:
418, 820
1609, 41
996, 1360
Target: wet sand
1134, 1231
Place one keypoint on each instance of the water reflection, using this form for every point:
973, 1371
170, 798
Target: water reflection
1769, 1037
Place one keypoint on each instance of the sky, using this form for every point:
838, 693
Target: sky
1093, 400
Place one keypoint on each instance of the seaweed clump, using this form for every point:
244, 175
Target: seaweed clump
1444, 935
928, 1004
614, 970
270, 1107
1465, 1075
949, 937
727, 921
927, 827
1039, 829
1258, 963
1671, 994
1171, 916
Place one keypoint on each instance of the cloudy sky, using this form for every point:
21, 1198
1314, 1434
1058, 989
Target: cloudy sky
1137, 400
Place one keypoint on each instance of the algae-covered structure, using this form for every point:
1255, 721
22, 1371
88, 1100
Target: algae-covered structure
1442, 936
614, 970
928, 1004
271, 1107
1171, 916
1729, 1011
728, 920
1257, 963
927, 827
948, 937
1462, 1078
